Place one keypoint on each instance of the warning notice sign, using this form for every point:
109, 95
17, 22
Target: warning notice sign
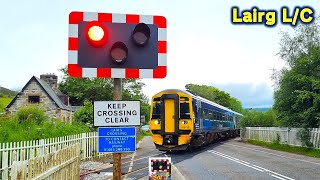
116, 113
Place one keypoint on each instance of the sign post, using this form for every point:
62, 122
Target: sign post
117, 95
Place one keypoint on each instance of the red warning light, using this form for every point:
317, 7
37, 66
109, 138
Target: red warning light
97, 34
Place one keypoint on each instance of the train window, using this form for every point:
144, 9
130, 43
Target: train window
184, 111
210, 114
214, 115
156, 111
205, 114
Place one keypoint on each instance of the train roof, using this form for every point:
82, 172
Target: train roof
203, 99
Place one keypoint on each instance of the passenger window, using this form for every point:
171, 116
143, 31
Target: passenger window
215, 115
205, 114
211, 114
184, 111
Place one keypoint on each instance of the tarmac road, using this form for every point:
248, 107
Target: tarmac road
230, 159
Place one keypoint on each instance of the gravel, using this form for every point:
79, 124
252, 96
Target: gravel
86, 167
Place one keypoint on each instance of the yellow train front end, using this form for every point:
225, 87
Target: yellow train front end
171, 120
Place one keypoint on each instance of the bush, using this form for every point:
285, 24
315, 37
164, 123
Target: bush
85, 114
11, 130
304, 135
254, 118
32, 114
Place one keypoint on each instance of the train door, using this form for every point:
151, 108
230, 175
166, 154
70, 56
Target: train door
169, 117
170, 114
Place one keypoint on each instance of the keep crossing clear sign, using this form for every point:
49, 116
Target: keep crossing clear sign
116, 113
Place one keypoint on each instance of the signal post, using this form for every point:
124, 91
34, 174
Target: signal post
117, 96
109, 45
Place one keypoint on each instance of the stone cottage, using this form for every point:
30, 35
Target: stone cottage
45, 92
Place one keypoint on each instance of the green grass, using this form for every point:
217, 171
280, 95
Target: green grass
11, 130
142, 134
4, 101
292, 149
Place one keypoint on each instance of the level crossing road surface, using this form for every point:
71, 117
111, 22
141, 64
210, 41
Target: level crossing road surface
231, 159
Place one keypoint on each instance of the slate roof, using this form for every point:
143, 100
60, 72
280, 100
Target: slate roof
48, 90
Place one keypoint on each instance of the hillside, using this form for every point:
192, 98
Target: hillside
6, 96
7, 92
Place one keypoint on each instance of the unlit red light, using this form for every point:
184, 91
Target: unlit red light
96, 33
141, 34
119, 52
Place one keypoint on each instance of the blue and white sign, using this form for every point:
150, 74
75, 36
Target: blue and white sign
116, 139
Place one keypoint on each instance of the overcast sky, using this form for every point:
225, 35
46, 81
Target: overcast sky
204, 47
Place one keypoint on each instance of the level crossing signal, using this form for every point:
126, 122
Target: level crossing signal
106, 45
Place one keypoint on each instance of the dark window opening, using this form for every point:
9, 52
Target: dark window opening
205, 114
210, 114
215, 115
184, 111
34, 99
156, 110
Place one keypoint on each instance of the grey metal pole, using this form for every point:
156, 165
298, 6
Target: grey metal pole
117, 95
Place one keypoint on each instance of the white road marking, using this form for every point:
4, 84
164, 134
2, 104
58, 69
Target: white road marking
278, 177
131, 163
132, 160
272, 153
258, 168
174, 168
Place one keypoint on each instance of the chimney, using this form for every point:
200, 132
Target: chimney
51, 80
65, 99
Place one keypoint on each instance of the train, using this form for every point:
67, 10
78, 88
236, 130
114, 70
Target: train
180, 120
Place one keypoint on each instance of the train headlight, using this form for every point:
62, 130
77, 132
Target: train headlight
184, 122
156, 122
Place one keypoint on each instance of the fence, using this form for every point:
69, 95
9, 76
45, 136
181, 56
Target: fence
20, 151
62, 164
283, 135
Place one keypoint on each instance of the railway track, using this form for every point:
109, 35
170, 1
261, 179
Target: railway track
98, 171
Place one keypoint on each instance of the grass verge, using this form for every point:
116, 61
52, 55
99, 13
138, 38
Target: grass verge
142, 134
292, 149
11, 130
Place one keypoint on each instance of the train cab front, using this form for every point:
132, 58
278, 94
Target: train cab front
171, 123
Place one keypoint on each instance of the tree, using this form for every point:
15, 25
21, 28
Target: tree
85, 114
101, 89
215, 95
297, 96
254, 118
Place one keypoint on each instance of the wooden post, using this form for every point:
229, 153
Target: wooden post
117, 95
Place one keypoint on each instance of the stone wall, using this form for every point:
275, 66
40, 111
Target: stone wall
51, 109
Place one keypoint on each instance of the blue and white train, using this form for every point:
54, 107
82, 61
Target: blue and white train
180, 120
